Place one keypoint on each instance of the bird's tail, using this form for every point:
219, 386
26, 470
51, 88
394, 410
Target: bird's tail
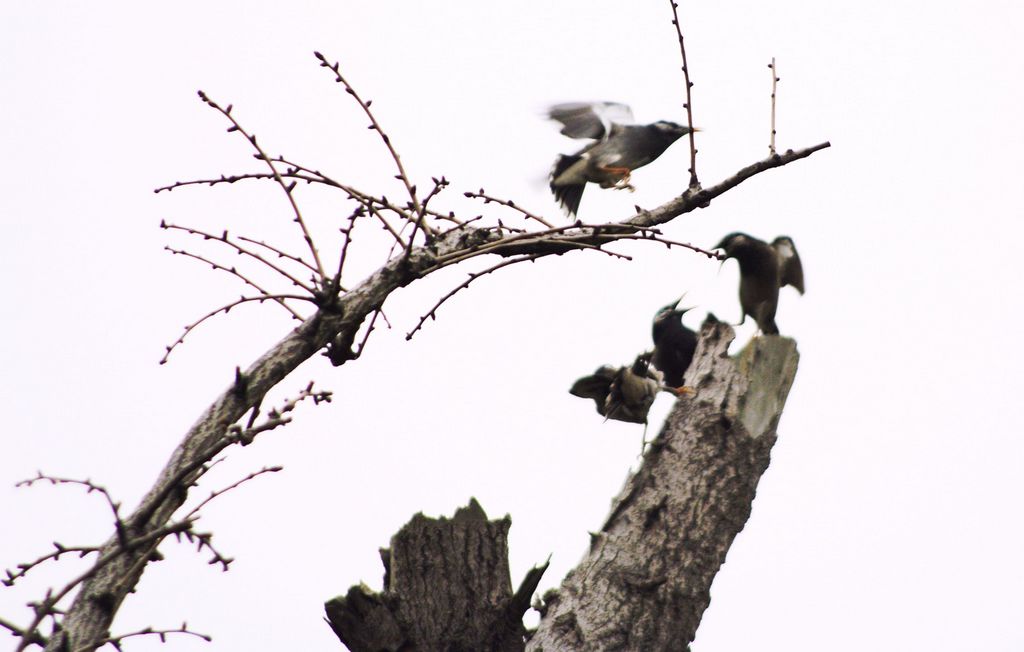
568, 195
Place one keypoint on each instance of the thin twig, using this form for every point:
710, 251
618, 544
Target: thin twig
775, 80
307, 175
242, 251
220, 492
510, 204
148, 631
91, 487
650, 236
397, 235
279, 298
280, 253
694, 183
439, 185
432, 314
369, 329
374, 125
315, 176
245, 279
58, 552
356, 214
277, 416
287, 188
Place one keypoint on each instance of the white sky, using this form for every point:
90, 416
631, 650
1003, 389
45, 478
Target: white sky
890, 515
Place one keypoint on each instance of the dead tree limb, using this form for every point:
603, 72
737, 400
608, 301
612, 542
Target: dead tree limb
446, 587
646, 580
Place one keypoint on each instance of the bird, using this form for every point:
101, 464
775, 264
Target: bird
623, 393
619, 147
764, 269
674, 343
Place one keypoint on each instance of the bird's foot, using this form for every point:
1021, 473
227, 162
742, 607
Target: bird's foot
618, 178
679, 391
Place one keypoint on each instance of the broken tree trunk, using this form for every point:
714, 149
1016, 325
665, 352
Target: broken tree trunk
446, 588
646, 580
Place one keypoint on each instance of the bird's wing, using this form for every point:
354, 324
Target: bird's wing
595, 386
590, 119
791, 272
569, 180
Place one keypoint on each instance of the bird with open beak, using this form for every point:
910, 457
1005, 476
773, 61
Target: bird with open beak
619, 147
764, 269
674, 343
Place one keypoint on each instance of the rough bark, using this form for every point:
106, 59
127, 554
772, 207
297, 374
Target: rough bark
646, 580
446, 588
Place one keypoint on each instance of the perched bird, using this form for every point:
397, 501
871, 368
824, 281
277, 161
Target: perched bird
623, 394
764, 268
619, 148
674, 343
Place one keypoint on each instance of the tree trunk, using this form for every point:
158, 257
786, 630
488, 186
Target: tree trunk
446, 587
646, 580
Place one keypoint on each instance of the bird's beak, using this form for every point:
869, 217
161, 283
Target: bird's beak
721, 263
697, 129
681, 311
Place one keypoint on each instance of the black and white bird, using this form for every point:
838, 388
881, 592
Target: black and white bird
764, 268
674, 343
619, 147
624, 393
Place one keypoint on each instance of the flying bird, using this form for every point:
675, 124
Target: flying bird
623, 394
619, 147
764, 268
674, 343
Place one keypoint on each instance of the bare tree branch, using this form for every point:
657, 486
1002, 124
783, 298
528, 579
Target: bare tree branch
432, 313
775, 81
216, 494
510, 204
162, 634
242, 251
58, 552
277, 298
374, 125
287, 188
694, 183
